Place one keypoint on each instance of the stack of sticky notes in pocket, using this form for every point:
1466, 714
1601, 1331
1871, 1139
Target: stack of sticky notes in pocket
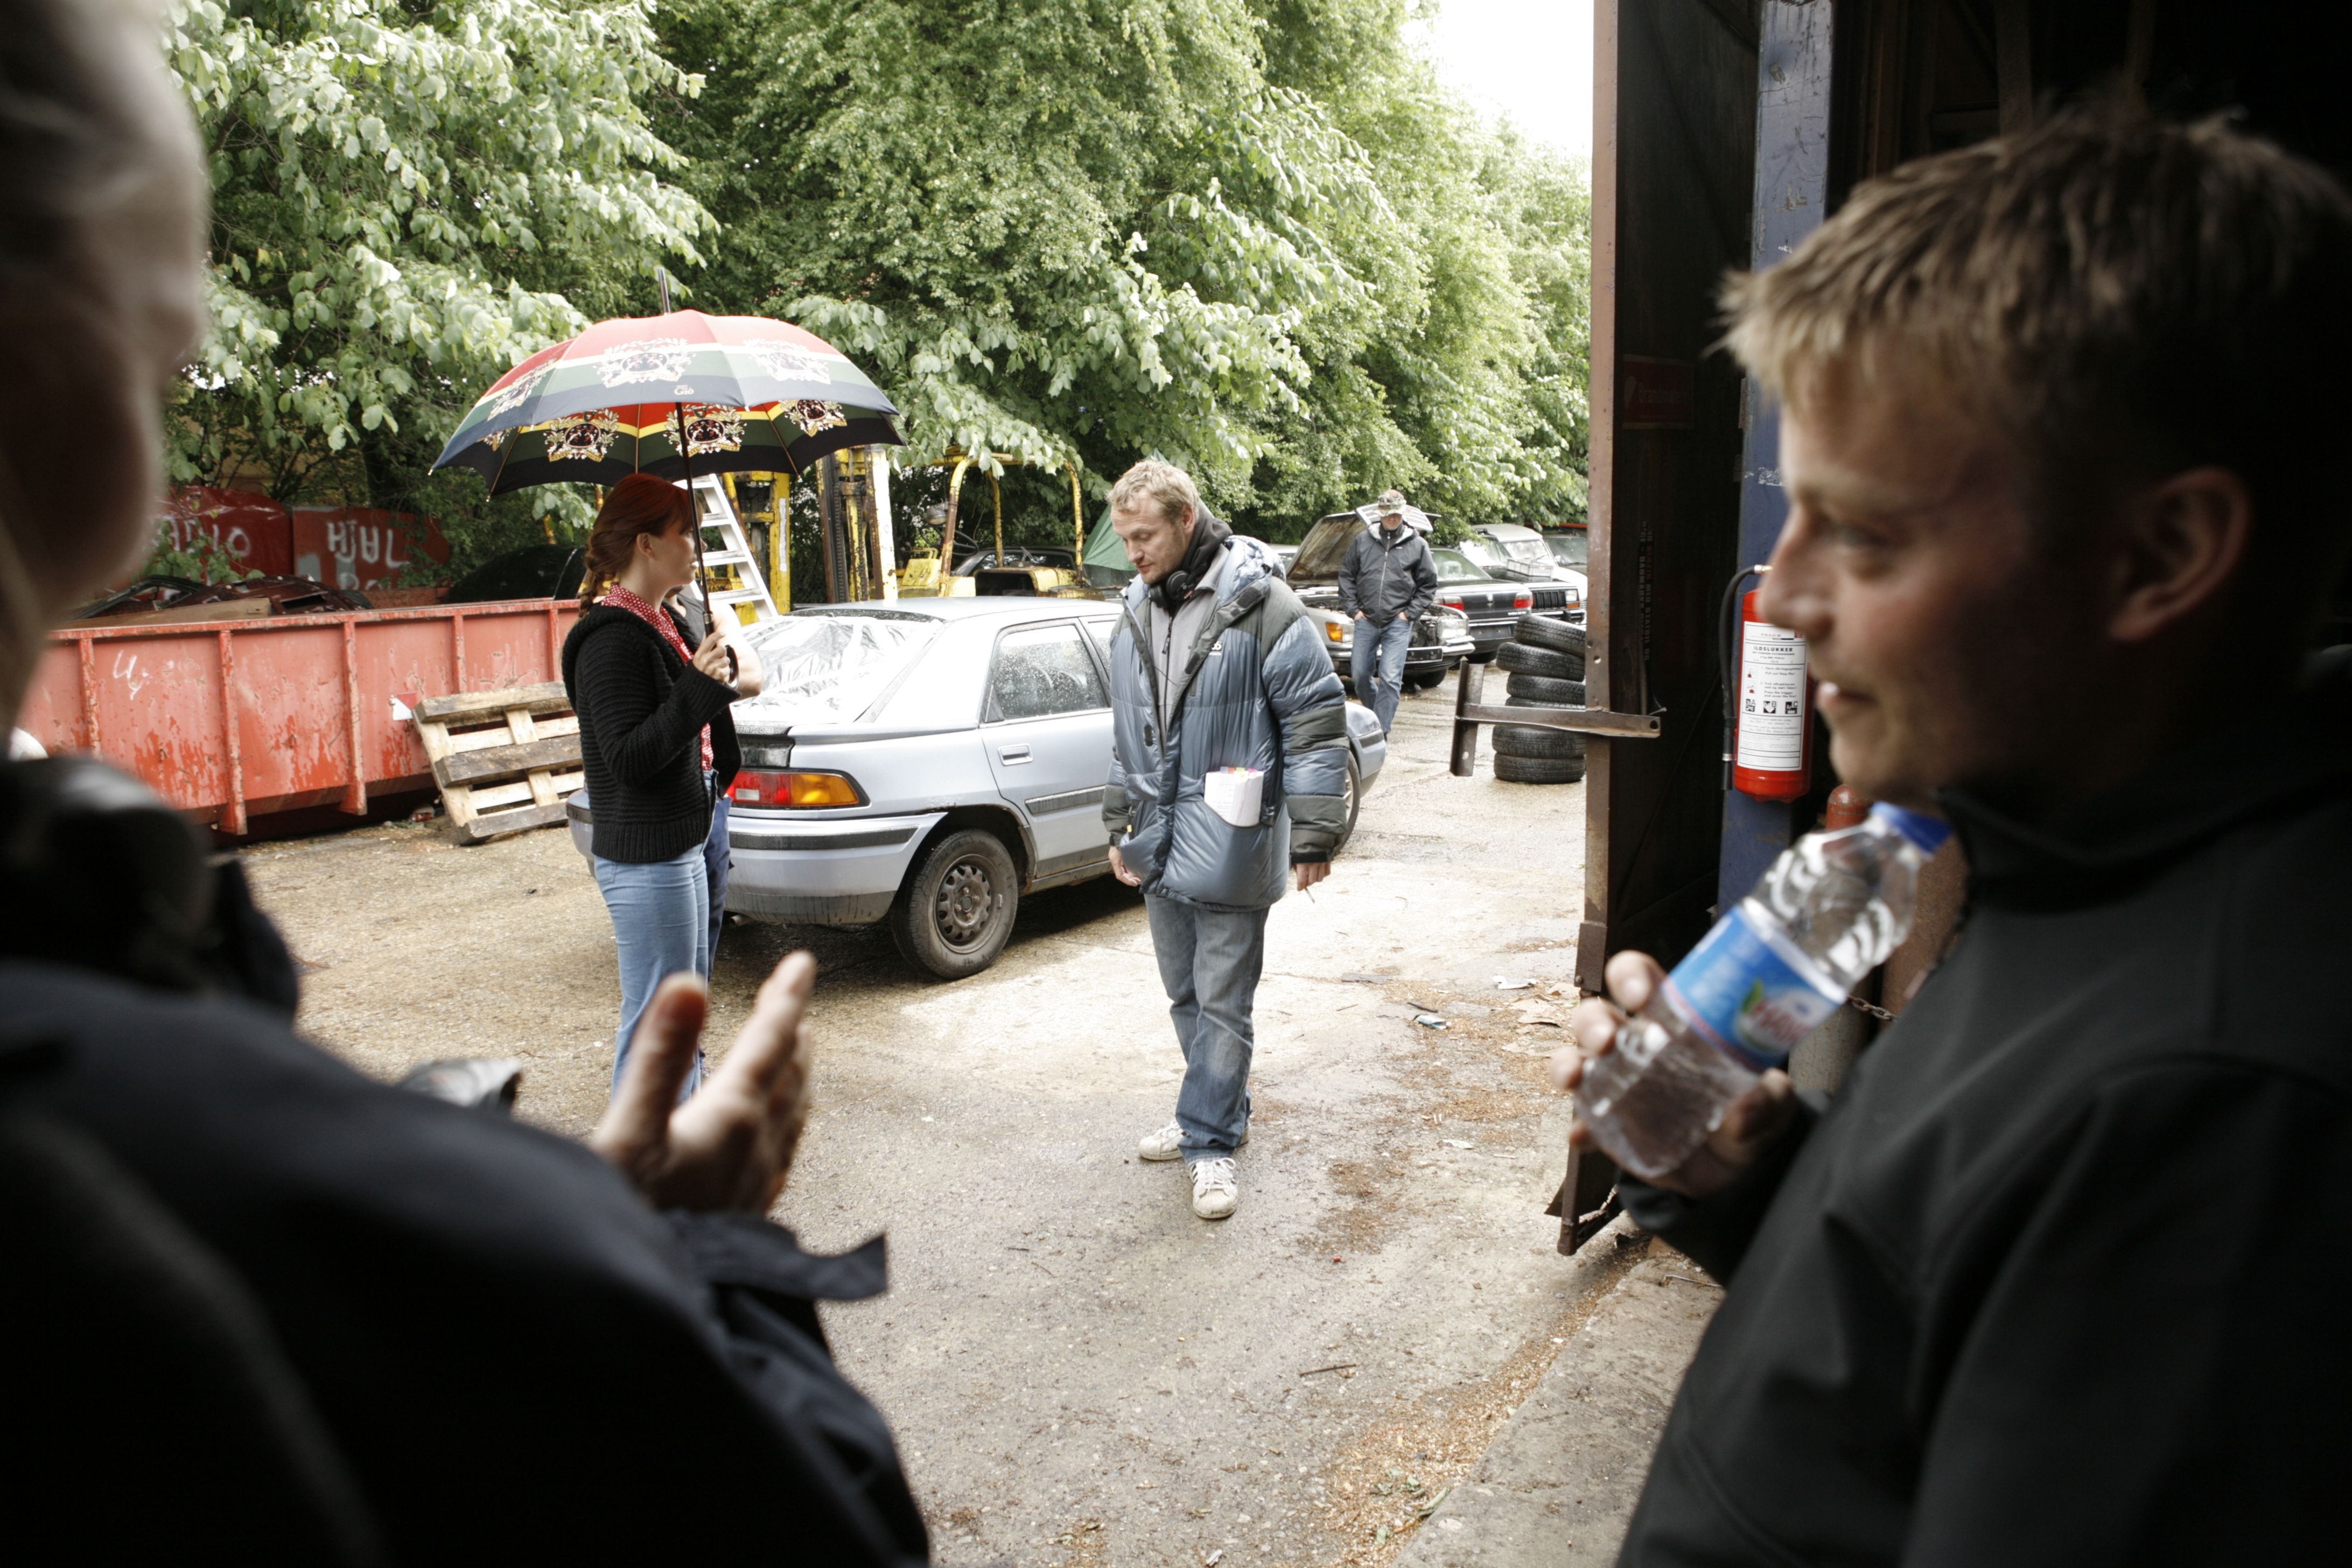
1235, 794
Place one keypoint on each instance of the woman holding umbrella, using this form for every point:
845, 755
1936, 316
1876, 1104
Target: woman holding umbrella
656, 741
637, 402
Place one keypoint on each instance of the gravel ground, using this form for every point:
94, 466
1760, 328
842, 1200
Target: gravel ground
1077, 1369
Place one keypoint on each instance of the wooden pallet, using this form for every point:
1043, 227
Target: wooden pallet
506, 761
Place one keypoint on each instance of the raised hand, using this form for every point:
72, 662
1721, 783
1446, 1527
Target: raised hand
714, 659
731, 1146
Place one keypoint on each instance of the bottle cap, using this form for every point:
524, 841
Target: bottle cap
1925, 833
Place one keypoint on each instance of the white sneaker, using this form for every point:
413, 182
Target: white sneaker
1167, 1144
1215, 1193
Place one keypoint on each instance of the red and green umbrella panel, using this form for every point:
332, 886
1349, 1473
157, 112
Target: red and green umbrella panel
752, 393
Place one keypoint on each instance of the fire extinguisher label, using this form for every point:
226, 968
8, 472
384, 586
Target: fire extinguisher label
1771, 698
1744, 989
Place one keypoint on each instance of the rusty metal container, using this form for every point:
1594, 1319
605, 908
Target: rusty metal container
233, 720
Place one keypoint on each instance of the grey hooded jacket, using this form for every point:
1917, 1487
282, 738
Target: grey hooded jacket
1254, 690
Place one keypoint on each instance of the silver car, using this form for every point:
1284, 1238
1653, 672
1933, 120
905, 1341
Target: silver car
929, 763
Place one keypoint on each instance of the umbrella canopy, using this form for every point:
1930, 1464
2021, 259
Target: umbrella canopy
752, 393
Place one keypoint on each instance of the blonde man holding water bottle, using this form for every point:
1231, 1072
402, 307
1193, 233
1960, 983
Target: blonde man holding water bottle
1228, 779
2058, 1278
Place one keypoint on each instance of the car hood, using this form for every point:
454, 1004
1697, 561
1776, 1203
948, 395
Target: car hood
1325, 547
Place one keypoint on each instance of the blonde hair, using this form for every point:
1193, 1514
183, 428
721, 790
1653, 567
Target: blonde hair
2123, 300
1166, 486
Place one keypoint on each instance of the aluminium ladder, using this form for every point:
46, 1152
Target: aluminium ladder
715, 512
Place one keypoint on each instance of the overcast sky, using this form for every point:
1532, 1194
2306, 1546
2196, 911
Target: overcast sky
1529, 61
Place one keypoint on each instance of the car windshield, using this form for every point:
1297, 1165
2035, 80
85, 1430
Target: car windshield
1567, 548
1453, 566
1530, 551
1483, 550
827, 668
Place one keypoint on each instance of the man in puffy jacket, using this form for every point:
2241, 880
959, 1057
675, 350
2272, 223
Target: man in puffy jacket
1386, 582
1215, 666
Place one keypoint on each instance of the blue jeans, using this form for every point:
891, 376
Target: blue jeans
1209, 963
661, 924
1380, 666
717, 863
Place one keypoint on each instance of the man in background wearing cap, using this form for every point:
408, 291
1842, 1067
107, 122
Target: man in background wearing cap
1386, 582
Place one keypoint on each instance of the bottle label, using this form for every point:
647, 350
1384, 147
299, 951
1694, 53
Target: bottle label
1743, 988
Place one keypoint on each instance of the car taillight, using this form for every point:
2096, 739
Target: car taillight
806, 791
1522, 600
1452, 600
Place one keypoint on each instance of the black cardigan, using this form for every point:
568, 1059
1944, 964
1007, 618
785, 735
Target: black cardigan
642, 710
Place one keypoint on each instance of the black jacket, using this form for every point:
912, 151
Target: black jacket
1385, 576
642, 710
2058, 1279
514, 1357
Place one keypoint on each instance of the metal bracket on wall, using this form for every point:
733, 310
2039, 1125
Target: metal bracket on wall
1470, 711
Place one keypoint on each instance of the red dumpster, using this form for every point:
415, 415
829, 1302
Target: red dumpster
234, 719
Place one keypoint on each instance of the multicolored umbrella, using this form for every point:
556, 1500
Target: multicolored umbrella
752, 394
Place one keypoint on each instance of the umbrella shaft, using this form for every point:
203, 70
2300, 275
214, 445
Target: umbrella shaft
693, 510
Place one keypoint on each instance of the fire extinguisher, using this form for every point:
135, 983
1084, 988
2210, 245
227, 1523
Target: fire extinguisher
1768, 743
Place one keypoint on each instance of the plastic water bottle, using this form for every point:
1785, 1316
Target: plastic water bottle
1787, 956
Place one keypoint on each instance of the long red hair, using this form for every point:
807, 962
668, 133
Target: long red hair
638, 506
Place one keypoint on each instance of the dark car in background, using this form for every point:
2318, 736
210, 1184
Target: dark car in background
1568, 547
1519, 554
1441, 637
534, 571
1490, 606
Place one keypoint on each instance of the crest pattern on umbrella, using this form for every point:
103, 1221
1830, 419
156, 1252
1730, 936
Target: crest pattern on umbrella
664, 395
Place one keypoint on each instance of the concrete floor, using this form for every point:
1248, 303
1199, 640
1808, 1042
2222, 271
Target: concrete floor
1078, 1370
1558, 1486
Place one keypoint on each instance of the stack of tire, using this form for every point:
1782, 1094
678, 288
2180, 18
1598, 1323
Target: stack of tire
1546, 661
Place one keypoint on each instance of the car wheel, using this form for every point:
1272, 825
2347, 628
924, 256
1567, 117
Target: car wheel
1543, 689
1355, 800
1520, 659
1542, 631
1537, 770
956, 910
1531, 740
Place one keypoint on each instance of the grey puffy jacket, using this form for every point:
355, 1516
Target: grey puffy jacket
1381, 581
1256, 691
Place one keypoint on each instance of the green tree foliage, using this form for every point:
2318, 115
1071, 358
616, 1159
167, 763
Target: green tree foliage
1252, 236
408, 198
1048, 226
1256, 239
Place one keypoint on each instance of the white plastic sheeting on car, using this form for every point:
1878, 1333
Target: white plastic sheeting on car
829, 669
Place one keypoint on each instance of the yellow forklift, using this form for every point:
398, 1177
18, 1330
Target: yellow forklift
1014, 572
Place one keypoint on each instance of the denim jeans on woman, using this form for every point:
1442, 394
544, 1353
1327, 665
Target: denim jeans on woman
650, 934
1378, 666
1209, 963
661, 924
